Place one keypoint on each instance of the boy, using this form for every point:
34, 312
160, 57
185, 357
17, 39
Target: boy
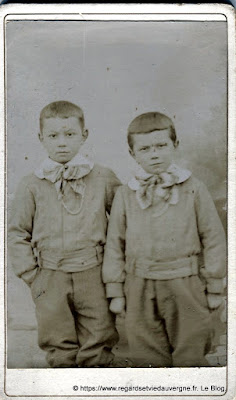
159, 223
56, 237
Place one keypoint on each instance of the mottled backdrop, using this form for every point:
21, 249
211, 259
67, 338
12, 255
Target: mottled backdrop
115, 71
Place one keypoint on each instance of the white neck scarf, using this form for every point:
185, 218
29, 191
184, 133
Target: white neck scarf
66, 177
164, 185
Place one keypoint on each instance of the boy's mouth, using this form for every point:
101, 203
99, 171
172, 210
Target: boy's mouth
156, 163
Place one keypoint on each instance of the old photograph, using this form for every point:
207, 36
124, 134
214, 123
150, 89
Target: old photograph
116, 141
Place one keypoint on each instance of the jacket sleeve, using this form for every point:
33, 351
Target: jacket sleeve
20, 233
114, 257
212, 237
112, 184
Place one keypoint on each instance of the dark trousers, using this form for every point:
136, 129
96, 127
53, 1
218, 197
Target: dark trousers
167, 322
75, 326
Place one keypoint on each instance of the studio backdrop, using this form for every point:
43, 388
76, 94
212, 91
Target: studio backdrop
115, 71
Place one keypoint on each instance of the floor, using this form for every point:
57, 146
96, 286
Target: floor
23, 351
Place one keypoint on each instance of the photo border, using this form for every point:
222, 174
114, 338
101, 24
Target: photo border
124, 12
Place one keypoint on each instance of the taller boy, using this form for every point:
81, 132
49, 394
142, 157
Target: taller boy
56, 238
159, 224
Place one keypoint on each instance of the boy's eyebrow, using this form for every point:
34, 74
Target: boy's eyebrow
164, 142
144, 145
149, 145
70, 130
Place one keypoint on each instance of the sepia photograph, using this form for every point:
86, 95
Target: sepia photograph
117, 135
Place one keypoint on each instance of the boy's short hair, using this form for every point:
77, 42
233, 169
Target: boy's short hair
150, 122
61, 109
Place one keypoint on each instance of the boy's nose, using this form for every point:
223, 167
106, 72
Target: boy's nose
154, 153
61, 141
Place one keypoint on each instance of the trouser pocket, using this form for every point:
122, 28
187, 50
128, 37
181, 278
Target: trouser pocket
37, 286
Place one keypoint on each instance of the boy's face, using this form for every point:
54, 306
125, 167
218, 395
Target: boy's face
62, 138
153, 151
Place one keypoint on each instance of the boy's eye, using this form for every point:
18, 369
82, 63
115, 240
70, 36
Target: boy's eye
69, 134
144, 148
52, 135
162, 145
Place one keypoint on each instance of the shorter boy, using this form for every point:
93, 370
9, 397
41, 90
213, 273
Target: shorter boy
56, 237
159, 224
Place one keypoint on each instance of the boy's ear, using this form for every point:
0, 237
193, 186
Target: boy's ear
176, 143
131, 152
85, 134
40, 136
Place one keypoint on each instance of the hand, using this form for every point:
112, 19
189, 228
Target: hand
117, 305
29, 276
214, 300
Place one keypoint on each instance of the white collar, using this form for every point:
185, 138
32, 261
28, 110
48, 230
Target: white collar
181, 174
48, 164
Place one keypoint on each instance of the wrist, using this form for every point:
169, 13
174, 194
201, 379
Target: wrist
216, 285
114, 290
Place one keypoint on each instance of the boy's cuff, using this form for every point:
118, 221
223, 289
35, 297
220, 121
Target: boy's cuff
114, 289
215, 285
29, 276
